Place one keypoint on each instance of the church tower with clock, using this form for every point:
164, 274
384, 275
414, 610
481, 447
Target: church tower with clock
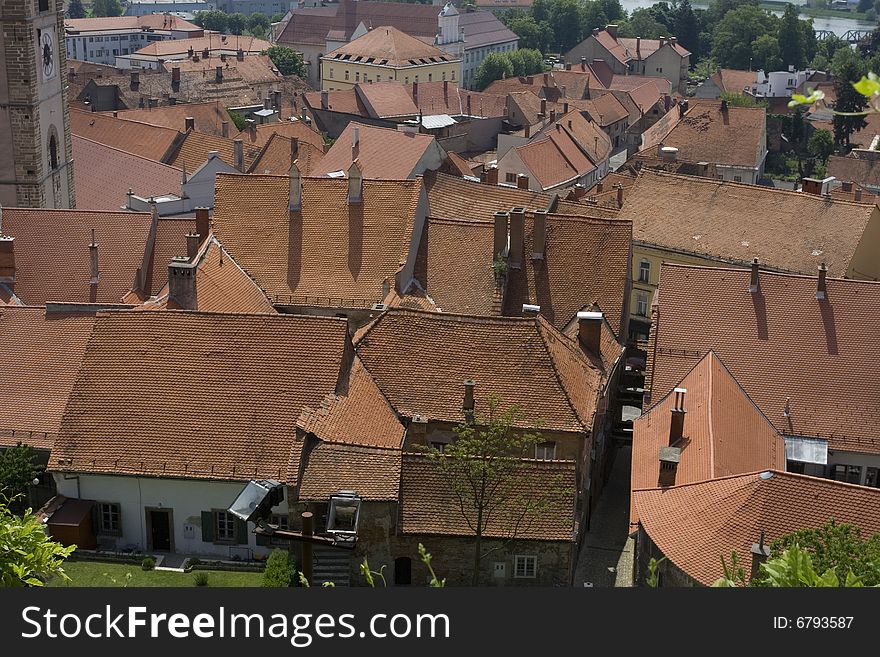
36, 163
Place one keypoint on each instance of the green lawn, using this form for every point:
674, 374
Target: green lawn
97, 574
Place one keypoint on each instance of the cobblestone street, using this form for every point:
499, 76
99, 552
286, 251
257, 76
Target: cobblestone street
607, 552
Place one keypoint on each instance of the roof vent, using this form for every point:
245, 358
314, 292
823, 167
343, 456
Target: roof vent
379, 307
753, 281
821, 285
766, 475
531, 309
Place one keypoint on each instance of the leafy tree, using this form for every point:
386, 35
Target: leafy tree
705, 68
216, 21
612, 9
687, 27
237, 23
791, 39
237, 119
592, 16
531, 33
277, 18
482, 468
106, 8
821, 145
526, 61
844, 59
28, 556
795, 568
811, 43
830, 45
738, 30
18, 468
865, 5
565, 21
288, 60
849, 101
718, 9
76, 9
280, 570
258, 25
494, 67
765, 53
819, 63
642, 24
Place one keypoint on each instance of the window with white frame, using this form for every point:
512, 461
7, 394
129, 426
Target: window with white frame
525, 566
545, 451
110, 518
644, 271
224, 526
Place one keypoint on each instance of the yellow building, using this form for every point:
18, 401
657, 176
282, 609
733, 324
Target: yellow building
386, 53
708, 222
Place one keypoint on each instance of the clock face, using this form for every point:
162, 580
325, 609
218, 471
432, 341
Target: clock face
47, 55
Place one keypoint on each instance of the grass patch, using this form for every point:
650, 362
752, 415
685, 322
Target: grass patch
92, 574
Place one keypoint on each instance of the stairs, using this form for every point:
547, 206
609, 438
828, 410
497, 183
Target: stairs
331, 565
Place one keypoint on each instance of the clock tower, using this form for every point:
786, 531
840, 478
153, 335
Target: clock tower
36, 164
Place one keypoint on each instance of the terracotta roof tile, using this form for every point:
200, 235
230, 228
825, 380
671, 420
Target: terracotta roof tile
104, 174
212, 41
152, 21
346, 102
262, 133
149, 141
170, 241
724, 432
208, 117
194, 149
734, 81
338, 253
518, 360
383, 153
693, 215
52, 257
702, 309
374, 474
357, 414
554, 160
864, 170
696, 524
429, 506
397, 48
43, 351
232, 416
276, 154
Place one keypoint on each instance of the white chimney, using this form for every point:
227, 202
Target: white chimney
355, 183
295, 203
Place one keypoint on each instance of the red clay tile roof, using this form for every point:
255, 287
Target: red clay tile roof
861, 170
780, 344
657, 133
337, 252
554, 160
52, 257
275, 157
734, 81
386, 99
193, 151
585, 133
384, 153
357, 414
419, 360
693, 214
104, 174
344, 101
170, 241
212, 41
389, 47
455, 162
221, 285
372, 473
624, 49
428, 504
308, 25
43, 352
724, 432
253, 71
263, 133
735, 137
606, 110
149, 141
152, 21
208, 117
696, 524
218, 394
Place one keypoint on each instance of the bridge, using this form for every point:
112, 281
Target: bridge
850, 36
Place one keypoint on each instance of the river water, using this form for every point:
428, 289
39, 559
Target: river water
832, 24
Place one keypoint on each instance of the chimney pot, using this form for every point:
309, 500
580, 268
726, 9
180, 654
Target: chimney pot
619, 195
590, 331
325, 100
355, 183
224, 129
240, 55
522, 181
539, 235
189, 123
93, 257
468, 403
821, 285
530, 310
182, 284
252, 129
517, 234
7, 259
676, 426
500, 235
857, 195
206, 53
492, 175
753, 281
203, 223
192, 245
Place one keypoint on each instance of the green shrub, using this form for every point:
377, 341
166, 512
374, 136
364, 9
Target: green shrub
280, 570
149, 563
201, 578
194, 561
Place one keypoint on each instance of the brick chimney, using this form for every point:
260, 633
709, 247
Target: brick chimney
544, 106
492, 176
676, 424
252, 129
417, 430
612, 30
527, 131
821, 284
857, 194
595, 31
517, 235
192, 245
189, 123
295, 185
203, 223
468, 404
206, 53
539, 235
662, 41
238, 146
182, 284
93, 261
325, 100
135, 80
600, 187
619, 195
240, 55
669, 458
590, 331
499, 243
355, 183
522, 181
224, 129
218, 74
7, 259
754, 283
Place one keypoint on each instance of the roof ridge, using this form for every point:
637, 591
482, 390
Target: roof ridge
126, 213
764, 272
129, 153
557, 375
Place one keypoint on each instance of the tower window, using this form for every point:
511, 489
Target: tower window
53, 152
43, 5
